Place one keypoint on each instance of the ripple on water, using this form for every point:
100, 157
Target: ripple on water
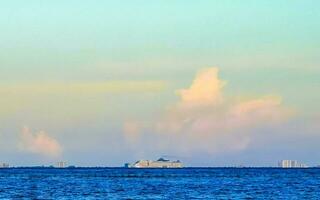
188, 183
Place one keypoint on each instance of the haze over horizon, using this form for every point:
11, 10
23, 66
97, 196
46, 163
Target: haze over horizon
213, 83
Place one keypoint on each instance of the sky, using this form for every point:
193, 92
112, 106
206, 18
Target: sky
211, 83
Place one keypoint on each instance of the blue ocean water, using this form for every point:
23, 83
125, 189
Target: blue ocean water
186, 183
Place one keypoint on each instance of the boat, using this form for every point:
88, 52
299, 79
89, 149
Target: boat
160, 163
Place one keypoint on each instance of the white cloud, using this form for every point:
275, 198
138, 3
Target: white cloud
204, 120
205, 89
39, 143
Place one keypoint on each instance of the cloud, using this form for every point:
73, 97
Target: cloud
205, 89
39, 143
84, 87
70, 102
132, 130
203, 120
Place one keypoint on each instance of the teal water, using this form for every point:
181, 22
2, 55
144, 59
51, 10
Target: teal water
186, 183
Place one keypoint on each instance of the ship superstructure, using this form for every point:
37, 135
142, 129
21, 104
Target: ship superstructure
160, 163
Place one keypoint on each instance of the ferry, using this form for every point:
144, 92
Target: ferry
160, 163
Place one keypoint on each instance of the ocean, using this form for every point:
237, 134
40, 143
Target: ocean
185, 183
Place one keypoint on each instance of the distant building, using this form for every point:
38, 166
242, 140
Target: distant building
4, 165
288, 163
61, 164
160, 163
302, 165
291, 164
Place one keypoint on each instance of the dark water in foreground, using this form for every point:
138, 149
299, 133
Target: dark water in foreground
188, 183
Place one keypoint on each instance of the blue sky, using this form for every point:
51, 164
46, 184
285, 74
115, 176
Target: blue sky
84, 71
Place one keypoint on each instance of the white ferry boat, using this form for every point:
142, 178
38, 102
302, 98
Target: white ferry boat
160, 163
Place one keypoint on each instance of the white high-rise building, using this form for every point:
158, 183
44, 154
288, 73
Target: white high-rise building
61, 164
291, 164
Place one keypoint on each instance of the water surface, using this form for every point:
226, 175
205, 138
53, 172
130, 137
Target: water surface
186, 183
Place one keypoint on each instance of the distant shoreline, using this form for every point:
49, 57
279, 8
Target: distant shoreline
74, 168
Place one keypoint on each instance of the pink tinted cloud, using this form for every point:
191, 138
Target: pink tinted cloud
204, 120
39, 143
205, 89
132, 130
